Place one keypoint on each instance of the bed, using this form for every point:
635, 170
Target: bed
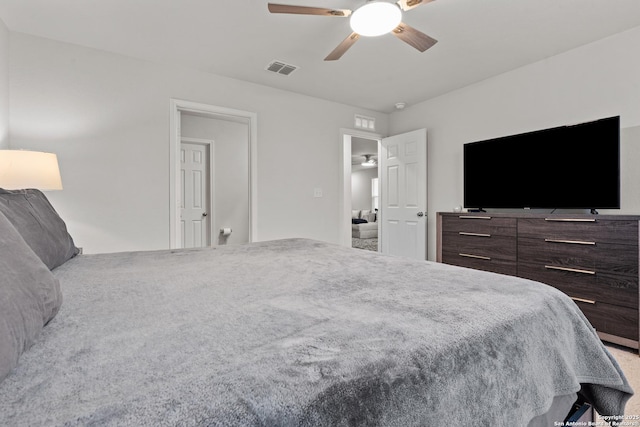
296, 332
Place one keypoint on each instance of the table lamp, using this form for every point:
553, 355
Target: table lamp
21, 169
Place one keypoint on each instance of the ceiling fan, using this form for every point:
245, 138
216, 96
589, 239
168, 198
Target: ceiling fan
374, 18
369, 160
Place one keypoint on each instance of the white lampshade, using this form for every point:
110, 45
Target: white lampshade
21, 169
375, 18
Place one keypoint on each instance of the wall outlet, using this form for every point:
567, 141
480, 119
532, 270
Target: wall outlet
317, 192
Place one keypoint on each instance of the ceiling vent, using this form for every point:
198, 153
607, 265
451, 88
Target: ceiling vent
281, 68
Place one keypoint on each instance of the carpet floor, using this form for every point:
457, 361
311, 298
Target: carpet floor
368, 244
629, 361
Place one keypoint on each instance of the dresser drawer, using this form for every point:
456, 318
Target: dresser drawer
602, 287
493, 246
580, 229
479, 224
615, 259
490, 253
479, 262
612, 319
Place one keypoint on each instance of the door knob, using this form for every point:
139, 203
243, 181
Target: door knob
204, 214
420, 213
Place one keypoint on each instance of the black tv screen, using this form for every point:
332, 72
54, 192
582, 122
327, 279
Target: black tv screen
574, 166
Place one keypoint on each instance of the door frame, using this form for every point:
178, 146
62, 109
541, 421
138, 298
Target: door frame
209, 143
177, 106
344, 232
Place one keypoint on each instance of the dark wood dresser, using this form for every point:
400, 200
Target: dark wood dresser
592, 258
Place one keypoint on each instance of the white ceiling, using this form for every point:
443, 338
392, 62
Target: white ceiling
238, 38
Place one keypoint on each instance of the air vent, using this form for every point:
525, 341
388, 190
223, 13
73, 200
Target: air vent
281, 68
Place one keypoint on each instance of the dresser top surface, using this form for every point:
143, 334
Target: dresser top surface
532, 215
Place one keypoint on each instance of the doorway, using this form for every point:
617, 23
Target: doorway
347, 159
232, 194
402, 187
364, 193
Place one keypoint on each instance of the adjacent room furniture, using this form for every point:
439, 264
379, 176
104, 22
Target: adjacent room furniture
365, 225
591, 258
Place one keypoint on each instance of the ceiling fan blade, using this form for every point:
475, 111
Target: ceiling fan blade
342, 47
410, 4
305, 10
413, 37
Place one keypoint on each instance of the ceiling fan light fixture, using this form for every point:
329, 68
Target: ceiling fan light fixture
376, 18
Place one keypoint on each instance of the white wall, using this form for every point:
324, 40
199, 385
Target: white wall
231, 173
4, 86
598, 80
107, 118
361, 188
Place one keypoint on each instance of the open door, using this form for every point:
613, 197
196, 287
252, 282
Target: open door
196, 184
403, 179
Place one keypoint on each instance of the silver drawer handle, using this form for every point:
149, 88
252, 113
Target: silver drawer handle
575, 242
473, 217
573, 270
464, 233
588, 301
572, 219
475, 256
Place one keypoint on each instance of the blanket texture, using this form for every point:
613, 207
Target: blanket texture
303, 333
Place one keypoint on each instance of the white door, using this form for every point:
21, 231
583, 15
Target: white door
194, 180
403, 216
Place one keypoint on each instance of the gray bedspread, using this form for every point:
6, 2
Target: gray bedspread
298, 332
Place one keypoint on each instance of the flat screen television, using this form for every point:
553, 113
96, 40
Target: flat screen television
570, 167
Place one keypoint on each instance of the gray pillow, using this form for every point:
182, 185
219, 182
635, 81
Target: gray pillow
29, 296
39, 224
